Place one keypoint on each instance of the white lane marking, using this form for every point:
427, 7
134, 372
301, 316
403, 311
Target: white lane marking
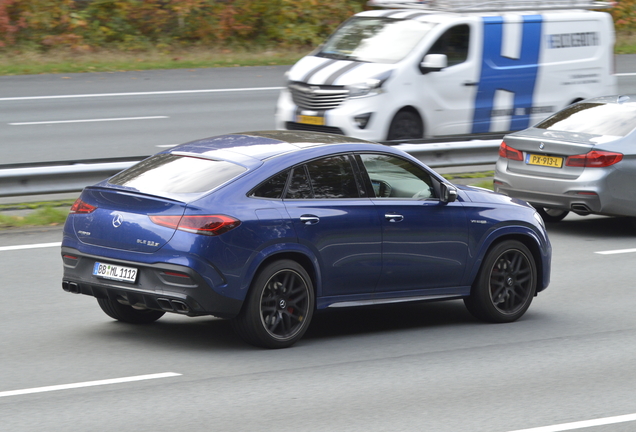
88, 120
626, 74
88, 384
30, 246
617, 251
582, 424
167, 145
167, 92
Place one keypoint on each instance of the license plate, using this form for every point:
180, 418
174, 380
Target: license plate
549, 161
312, 120
115, 272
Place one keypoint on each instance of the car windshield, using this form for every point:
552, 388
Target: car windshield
594, 118
166, 174
375, 39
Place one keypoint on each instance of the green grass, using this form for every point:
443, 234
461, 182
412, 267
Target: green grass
44, 216
64, 61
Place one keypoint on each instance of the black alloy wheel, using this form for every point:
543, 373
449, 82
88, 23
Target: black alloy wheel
551, 215
279, 306
406, 125
128, 314
505, 285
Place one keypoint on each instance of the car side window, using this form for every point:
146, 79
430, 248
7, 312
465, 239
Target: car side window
333, 177
325, 178
394, 177
453, 43
272, 188
299, 187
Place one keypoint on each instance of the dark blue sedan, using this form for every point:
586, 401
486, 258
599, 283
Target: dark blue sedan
264, 228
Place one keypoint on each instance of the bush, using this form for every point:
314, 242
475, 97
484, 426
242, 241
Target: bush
139, 24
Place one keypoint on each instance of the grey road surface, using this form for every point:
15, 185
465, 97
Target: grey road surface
418, 367
100, 115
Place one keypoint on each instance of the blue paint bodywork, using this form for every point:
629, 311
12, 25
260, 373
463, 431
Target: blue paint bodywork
353, 254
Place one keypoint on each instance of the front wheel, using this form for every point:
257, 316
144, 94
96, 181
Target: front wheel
278, 308
128, 314
551, 215
406, 125
505, 284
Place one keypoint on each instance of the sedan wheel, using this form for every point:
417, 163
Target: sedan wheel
128, 314
278, 308
552, 215
505, 284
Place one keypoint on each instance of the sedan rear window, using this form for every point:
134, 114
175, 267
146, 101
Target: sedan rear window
594, 118
175, 174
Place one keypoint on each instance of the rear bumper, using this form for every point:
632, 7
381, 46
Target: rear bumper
156, 286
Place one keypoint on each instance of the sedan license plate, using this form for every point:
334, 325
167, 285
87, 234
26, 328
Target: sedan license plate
312, 120
549, 161
115, 272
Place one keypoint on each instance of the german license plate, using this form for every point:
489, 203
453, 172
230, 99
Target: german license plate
115, 272
312, 120
549, 161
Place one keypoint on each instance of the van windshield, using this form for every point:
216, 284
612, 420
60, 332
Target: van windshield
375, 39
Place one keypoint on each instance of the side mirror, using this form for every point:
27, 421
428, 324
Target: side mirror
433, 63
448, 193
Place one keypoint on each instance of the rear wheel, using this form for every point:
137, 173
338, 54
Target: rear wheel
278, 308
552, 215
128, 314
505, 284
406, 125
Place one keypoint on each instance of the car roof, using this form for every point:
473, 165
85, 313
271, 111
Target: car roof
249, 147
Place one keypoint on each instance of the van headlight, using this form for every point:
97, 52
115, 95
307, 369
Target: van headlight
370, 87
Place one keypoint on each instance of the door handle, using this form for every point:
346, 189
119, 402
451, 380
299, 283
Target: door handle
394, 217
309, 219
470, 84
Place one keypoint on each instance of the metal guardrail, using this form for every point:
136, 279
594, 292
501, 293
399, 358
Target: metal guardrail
73, 176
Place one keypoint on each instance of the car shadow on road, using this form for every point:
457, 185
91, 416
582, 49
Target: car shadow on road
208, 333
386, 318
594, 227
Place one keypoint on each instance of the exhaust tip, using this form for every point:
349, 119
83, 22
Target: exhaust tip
180, 306
581, 209
71, 287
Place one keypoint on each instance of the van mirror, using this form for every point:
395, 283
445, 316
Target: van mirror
433, 63
448, 193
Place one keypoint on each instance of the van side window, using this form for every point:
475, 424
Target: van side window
453, 43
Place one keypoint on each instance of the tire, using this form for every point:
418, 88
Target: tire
128, 314
551, 215
406, 125
278, 307
505, 284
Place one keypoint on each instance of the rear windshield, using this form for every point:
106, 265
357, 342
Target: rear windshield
594, 118
164, 174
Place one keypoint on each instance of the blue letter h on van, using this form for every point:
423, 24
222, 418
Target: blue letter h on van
503, 73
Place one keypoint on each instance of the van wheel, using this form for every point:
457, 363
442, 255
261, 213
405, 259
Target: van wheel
406, 125
278, 308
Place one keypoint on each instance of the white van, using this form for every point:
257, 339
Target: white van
439, 68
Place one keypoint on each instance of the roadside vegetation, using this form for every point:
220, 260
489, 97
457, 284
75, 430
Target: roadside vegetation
49, 213
66, 36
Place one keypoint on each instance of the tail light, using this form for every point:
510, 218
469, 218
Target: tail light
594, 159
80, 207
507, 152
211, 225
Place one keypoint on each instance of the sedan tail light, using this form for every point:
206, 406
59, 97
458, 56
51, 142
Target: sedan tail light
594, 159
505, 151
80, 207
211, 225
